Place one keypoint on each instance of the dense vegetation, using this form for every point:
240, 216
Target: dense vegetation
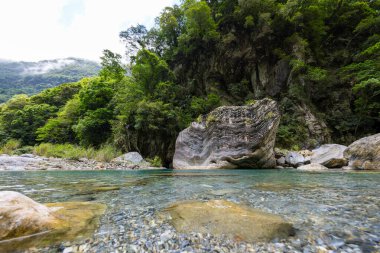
33, 77
319, 59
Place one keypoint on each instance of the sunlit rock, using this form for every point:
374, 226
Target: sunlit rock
364, 153
221, 217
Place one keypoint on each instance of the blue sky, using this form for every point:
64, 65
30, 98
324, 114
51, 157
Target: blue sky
45, 29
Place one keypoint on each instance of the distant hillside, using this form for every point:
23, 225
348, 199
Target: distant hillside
32, 77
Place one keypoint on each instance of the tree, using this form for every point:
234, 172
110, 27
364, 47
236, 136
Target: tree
112, 68
94, 128
199, 26
149, 70
135, 38
60, 128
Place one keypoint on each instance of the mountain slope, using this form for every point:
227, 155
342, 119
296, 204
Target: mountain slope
32, 77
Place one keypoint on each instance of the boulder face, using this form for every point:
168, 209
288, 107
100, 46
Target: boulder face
230, 137
329, 155
364, 153
221, 217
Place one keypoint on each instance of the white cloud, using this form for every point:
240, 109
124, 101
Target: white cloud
36, 30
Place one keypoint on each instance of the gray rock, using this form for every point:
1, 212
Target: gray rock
281, 161
131, 157
364, 153
230, 137
312, 167
294, 159
329, 155
27, 155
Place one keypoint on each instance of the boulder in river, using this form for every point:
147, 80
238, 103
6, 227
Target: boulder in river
294, 159
221, 217
131, 157
313, 167
22, 216
230, 137
364, 153
330, 155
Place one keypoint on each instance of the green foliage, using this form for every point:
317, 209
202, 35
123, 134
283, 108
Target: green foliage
60, 128
149, 70
10, 147
367, 103
112, 68
204, 105
20, 118
68, 151
106, 153
155, 162
199, 26
94, 128
97, 94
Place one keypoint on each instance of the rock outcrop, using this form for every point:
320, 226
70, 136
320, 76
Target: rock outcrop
329, 155
22, 216
364, 153
230, 137
220, 217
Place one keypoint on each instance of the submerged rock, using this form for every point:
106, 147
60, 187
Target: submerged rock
230, 137
364, 153
313, 167
329, 155
221, 217
44, 224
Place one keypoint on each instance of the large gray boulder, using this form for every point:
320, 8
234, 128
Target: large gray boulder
364, 153
329, 155
230, 137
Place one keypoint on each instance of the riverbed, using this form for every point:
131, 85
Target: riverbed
337, 211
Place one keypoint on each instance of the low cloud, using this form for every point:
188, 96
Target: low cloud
46, 66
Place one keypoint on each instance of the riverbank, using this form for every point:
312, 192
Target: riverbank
30, 162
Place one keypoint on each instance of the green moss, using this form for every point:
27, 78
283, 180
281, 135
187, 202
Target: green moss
250, 102
269, 115
210, 119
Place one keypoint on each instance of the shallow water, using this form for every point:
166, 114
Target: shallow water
338, 211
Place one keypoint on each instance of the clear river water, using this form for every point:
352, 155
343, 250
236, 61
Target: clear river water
331, 211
